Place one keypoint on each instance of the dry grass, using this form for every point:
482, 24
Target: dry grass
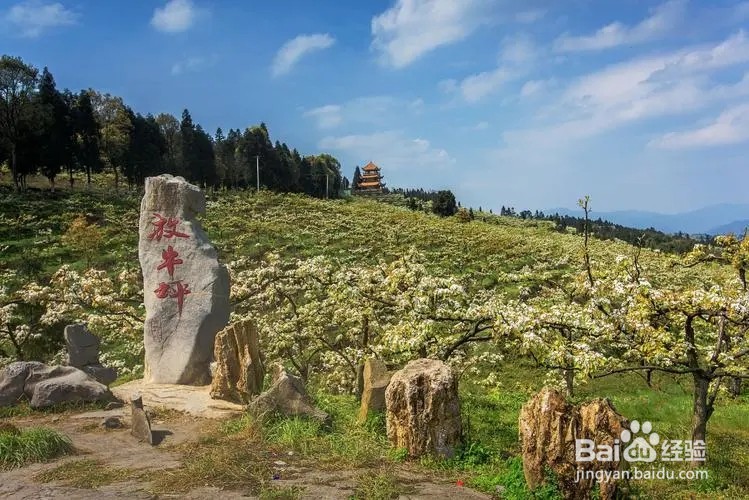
89, 474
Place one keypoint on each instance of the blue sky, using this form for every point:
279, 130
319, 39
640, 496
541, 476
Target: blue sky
532, 104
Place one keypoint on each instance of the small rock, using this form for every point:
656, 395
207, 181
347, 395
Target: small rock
113, 405
112, 423
287, 396
279, 462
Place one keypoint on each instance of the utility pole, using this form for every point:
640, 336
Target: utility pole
257, 171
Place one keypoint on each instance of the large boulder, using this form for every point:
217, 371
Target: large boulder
376, 379
186, 289
13, 379
83, 353
46, 386
287, 396
549, 426
239, 369
423, 409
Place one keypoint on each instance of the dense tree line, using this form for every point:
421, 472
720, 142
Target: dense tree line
47, 131
603, 229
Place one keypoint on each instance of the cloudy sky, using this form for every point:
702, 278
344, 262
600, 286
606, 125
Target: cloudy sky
532, 104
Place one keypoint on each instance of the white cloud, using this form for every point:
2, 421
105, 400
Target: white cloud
328, 116
517, 54
175, 16
412, 28
194, 64
34, 17
663, 20
534, 87
476, 87
686, 81
372, 110
481, 126
731, 127
296, 48
390, 149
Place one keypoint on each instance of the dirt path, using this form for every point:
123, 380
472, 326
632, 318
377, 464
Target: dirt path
116, 449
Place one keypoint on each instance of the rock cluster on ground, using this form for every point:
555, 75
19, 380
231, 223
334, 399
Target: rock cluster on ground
239, 372
83, 353
186, 289
287, 396
376, 379
549, 426
423, 409
46, 386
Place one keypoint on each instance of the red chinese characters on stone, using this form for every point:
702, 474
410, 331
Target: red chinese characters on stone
173, 290
165, 227
170, 259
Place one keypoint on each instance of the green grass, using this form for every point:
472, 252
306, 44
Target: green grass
35, 444
88, 474
379, 485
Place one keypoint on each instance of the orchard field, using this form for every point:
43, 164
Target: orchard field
512, 305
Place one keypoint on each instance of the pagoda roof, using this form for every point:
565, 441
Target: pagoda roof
371, 167
369, 184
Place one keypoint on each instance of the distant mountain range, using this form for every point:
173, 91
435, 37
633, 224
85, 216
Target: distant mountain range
712, 220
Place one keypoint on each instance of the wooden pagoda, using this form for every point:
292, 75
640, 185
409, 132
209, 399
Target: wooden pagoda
371, 179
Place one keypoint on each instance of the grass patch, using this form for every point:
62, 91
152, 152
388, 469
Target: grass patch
281, 493
88, 474
225, 460
36, 444
379, 485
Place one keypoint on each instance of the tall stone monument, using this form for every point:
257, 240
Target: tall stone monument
186, 289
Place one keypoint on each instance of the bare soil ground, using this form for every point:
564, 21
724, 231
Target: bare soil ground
110, 463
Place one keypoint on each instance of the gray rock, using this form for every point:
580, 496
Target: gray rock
423, 409
288, 397
83, 346
50, 386
140, 426
239, 369
186, 289
13, 379
112, 423
113, 405
101, 374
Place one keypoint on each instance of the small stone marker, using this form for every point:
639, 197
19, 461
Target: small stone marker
423, 409
140, 426
83, 346
83, 353
186, 289
376, 379
239, 372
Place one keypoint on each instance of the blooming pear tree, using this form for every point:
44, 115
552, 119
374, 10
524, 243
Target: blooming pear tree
325, 317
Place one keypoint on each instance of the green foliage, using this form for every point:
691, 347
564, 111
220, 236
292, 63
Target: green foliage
444, 204
35, 444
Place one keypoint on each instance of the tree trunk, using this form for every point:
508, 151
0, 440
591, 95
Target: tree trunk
70, 178
116, 179
88, 177
14, 166
734, 387
701, 411
569, 382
